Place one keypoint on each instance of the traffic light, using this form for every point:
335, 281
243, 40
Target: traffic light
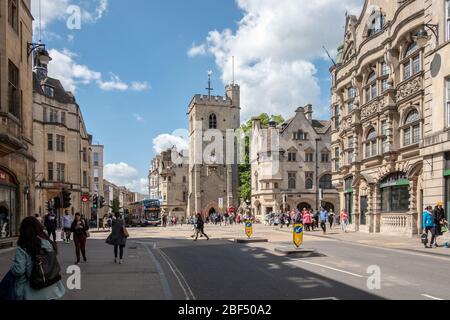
95, 202
56, 203
102, 203
49, 206
66, 199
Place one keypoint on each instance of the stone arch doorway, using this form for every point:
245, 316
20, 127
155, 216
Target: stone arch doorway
211, 211
328, 206
304, 205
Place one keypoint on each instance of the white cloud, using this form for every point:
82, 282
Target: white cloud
140, 86
197, 50
138, 117
64, 68
113, 84
166, 141
122, 174
56, 10
274, 48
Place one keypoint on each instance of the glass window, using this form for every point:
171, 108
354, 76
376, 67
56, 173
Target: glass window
96, 159
292, 180
411, 49
48, 91
384, 85
50, 142
61, 172
416, 134
372, 134
325, 157
213, 121
63, 118
326, 182
448, 19
395, 199
50, 169
448, 100
412, 117
407, 137
406, 71
13, 14
13, 90
53, 116
416, 65
350, 106
309, 183
84, 154
60, 143
372, 76
336, 117
292, 157
351, 93
85, 183
384, 69
309, 157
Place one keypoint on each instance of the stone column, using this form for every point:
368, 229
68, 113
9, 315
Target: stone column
413, 214
376, 209
229, 174
356, 211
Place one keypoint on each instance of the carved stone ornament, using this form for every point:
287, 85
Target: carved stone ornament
409, 88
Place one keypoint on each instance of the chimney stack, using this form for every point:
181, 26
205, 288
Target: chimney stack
308, 112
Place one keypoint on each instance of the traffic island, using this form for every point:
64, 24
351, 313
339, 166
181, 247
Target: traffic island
290, 251
250, 240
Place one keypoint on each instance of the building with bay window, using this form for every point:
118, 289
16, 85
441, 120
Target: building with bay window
291, 165
16, 123
391, 114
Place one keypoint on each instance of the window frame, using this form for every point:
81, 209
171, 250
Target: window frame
447, 20
309, 180
212, 121
14, 24
60, 143
326, 184
411, 129
60, 172
292, 156
412, 52
50, 142
14, 103
292, 180
371, 91
447, 94
50, 171
309, 157
371, 144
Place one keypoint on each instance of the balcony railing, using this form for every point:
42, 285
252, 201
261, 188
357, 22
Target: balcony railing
394, 223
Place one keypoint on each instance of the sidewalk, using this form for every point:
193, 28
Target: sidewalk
378, 240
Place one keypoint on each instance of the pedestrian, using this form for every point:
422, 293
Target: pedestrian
182, 221
307, 219
199, 226
439, 219
50, 222
331, 218
33, 242
39, 218
79, 229
343, 218
67, 226
118, 237
323, 216
316, 218
429, 226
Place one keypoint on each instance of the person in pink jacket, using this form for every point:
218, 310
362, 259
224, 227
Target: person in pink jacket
307, 219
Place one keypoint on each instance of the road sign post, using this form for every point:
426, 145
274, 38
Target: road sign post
249, 228
298, 234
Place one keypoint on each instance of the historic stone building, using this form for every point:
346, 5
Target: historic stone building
153, 179
291, 165
16, 123
390, 107
61, 146
172, 179
213, 166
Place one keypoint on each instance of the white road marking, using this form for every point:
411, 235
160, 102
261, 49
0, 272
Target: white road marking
164, 283
431, 297
328, 267
180, 278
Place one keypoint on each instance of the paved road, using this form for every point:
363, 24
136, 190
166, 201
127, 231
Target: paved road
167, 264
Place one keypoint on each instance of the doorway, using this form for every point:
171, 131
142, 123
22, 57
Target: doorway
364, 205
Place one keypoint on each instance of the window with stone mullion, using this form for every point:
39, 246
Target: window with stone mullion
448, 99
448, 19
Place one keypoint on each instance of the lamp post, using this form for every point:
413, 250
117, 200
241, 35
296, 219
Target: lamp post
422, 37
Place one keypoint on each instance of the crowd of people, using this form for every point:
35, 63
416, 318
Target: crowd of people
311, 220
434, 222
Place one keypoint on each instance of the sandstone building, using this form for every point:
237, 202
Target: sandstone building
291, 165
213, 181
16, 123
391, 114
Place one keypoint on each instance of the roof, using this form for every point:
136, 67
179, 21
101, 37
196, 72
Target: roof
60, 94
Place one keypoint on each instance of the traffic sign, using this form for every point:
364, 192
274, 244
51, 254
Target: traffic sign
249, 228
85, 199
298, 234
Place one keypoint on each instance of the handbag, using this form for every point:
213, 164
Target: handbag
444, 229
124, 232
46, 270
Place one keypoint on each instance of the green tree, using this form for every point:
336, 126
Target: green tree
115, 206
245, 181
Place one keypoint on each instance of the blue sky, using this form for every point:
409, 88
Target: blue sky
134, 71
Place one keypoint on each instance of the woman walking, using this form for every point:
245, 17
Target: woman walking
79, 229
199, 227
118, 237
344, 220
33, 242
331, 217
307, 219
428, 225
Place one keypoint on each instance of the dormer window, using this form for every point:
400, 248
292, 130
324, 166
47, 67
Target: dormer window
49, 91
377, 23
300, 135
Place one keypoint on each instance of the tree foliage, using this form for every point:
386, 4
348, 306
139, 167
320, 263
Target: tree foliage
115, 206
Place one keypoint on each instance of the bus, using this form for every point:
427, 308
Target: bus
143, 213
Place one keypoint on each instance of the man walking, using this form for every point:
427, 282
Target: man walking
199, 227
323, 217
51, 224
67, 226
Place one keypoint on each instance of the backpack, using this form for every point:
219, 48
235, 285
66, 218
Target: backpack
46, 270
8, 288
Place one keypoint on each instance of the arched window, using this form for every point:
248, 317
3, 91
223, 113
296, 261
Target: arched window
412, 63
411, 130
371, 143
326, 182
371, 88
308, 184
376, 24
384, 76
213, 121
395, 193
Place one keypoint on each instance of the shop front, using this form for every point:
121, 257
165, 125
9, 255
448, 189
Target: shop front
8, 206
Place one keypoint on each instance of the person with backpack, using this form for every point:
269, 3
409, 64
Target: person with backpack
51, 224
36, 269
80, 229
428, 226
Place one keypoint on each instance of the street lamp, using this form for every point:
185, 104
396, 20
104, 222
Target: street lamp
42, 55
422, 37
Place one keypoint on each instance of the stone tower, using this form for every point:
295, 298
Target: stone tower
213, 167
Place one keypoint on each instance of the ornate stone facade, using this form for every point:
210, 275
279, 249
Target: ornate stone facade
388, 166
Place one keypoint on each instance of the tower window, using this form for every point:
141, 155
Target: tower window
213, 121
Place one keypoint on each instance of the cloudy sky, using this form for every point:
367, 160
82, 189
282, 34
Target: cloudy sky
134, 68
